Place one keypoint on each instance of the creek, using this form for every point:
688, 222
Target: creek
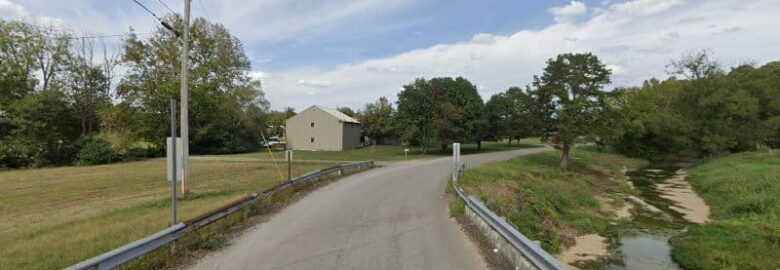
664, 206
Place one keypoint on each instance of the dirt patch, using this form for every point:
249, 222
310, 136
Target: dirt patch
621, 211
644, 204
588, 247
687, 202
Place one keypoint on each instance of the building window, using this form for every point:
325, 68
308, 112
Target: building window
312, 139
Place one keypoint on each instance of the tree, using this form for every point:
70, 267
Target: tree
224, 102
377, 119
347, 111
86, 85
44, 131
417, 114
575, 82
452, 110
18, 52
510, 115
465, 98
694, 66
276, 120
52, 53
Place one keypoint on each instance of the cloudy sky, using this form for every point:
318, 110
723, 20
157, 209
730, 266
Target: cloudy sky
349, 52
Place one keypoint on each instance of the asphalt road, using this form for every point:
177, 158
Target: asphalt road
392, 217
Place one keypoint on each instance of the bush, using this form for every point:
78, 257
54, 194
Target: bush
94, 151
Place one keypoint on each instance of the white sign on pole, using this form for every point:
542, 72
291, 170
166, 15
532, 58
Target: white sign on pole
171, 157
288, 155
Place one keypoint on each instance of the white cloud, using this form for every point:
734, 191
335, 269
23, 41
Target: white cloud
11, 10
484, 38
569, 13
644, 7
314, 83
635, 47
14, 11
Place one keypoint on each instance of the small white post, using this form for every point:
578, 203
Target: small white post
406, 152
455, 160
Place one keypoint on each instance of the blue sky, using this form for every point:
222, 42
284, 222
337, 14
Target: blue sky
350, 52
425, 24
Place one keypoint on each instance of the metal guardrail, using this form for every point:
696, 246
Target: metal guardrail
530, 250
126, 253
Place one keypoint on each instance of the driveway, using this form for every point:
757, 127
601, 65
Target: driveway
392, 217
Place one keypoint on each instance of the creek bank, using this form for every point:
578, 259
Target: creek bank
664, 205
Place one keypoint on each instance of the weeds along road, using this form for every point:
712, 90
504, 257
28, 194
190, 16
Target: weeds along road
392, 217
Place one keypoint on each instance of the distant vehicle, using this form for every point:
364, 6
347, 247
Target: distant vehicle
273, 141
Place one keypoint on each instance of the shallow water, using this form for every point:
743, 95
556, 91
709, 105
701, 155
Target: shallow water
642, 241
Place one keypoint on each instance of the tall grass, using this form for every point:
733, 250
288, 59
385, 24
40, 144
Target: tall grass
545, 203
743, 191
52, 218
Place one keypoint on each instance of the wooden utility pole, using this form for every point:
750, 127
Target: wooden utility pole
185, 100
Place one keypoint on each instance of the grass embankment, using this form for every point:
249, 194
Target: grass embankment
54, 217
743, 192
547, 204
389, 152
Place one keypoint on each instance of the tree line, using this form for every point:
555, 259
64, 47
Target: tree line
701, 110
62, 101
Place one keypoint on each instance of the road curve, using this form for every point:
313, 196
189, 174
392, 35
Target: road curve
392, 217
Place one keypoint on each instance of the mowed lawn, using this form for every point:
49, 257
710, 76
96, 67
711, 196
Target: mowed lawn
390, 152
54, 217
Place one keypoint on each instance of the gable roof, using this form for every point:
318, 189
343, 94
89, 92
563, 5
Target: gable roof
335, 113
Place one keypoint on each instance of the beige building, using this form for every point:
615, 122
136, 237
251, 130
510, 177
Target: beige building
319, 128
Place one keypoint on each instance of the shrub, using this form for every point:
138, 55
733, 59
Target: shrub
94, 151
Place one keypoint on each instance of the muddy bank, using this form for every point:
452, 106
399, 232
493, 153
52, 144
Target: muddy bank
664, 205
589, 247
685, 199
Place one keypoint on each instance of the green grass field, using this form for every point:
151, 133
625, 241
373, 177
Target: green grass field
547, 204
743, 192
389, 152
54, 217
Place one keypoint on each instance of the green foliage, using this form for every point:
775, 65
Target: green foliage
347, 111
377, 119
710, 114
570, 97
417, 114
510, 115
741, 190
276, 121
43, 131
95, 150
441, 111
228, 111
457, 207
545, 203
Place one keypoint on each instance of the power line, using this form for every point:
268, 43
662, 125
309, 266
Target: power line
147, 10
107, 35
66, 37
164, 24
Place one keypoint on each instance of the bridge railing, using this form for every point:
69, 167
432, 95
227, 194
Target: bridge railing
520, 250
141, 247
